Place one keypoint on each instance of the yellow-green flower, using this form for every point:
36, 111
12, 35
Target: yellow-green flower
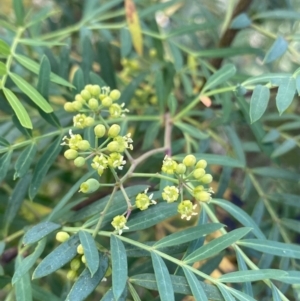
170, 194
169, 165
119, 223
143, 201
73, 141
100, 164
115, 160
187, 209
124, 142
79, 121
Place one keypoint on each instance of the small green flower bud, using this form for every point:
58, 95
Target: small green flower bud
75, 264
86, 95
71, 275
99, 130
79, 161
189, 160
89, 121
88, 88
84, 145
201, 164
91, 185
203, 196
80, 249
83, 259
115, 94
107, 101
134, 64
79, 98
114, 131
198, 173
68, 106
93, 104
95, 90
152, 52
113, 146
180, 169
77, 105
71, 154
62, 236
206, 179
102, 96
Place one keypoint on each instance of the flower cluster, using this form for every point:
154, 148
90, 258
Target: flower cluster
93, 100
188, 172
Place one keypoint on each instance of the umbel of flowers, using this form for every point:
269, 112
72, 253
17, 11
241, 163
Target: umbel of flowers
192, 179
95, 103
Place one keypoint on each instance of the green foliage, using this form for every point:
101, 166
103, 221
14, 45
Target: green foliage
195, 160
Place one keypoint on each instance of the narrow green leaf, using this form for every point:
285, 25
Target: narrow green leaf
40, 43
179, 284
5, 163
272, 136
189, 28
90, 251
277, 49
275, 293
109, 296
19, 11
57, 258
163, 279
272, 247
160, 89
291, 224
18, 108
4, 48
292, 277
119, 266
225, 293
39, 231
16, 199
240, 215
219, 77
240, 21
191, 130
86, 284
151, 216
133, 292
252, 275
278, 14
105, 61
172, 104
284, 148
274, 78
240, 296
43, 165
193, 282
29, 261
97, 80
35, 67
187, 235
214, 159
24, 160
150, 135
259, 102
217, 245
23, 285
287, 199
44, 77
277, 173
126, 42
242, 266
285, 94
31, 92
3, 70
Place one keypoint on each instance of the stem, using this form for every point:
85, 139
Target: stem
102, 214
12, 50
14, 236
